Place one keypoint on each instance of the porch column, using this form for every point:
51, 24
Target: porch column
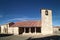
24, 30
29, 30
35, 30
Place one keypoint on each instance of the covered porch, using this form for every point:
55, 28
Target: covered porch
29, 30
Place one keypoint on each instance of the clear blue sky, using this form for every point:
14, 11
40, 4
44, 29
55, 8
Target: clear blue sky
21, 10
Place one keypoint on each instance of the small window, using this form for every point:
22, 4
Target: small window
46, 12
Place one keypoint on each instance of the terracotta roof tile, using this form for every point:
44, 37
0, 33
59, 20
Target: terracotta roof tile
27, 24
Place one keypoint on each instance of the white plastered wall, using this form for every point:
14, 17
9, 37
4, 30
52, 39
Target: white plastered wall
4, 28
13, 30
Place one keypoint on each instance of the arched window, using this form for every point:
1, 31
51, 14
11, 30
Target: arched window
46, 12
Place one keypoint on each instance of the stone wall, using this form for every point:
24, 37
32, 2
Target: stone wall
46, 22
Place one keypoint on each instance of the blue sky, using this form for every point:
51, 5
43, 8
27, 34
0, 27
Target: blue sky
21, 10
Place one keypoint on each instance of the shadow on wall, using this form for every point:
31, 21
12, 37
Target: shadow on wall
5, 35
55, 37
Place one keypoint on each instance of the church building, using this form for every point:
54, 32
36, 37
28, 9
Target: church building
43, 26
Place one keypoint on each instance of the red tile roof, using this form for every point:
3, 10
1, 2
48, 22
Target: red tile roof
56, 27
27, 24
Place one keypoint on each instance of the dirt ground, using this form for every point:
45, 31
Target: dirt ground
14, 37
29, 37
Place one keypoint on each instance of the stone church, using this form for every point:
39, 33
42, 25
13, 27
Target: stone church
43, 26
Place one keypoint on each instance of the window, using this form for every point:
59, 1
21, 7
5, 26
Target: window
46, 12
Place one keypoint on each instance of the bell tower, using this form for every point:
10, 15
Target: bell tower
46, 17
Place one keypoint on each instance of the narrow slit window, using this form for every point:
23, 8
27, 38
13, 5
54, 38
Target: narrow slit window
46, 12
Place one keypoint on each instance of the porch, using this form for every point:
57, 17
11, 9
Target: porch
29, 30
